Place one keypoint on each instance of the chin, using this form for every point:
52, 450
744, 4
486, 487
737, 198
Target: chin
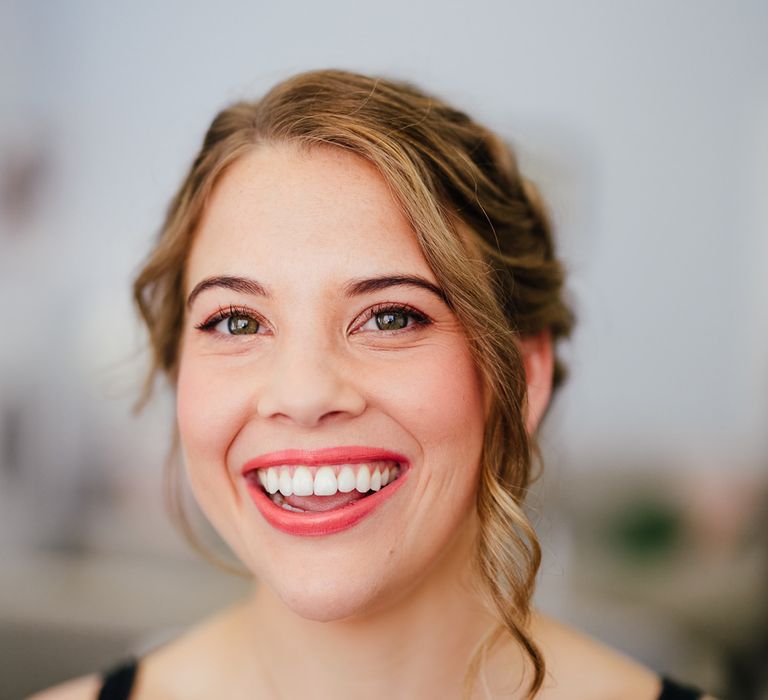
329, 600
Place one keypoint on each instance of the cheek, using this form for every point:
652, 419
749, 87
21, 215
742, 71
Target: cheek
202, 425
443, 398
210, 402
440, 402
207, 414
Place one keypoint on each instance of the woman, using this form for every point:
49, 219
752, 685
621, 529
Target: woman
357, 299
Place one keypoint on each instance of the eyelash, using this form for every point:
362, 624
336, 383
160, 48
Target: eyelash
419, 319
222, 314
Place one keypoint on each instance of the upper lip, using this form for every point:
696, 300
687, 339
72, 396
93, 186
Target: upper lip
351, 454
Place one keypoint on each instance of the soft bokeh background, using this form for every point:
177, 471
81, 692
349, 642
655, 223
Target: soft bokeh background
646, 127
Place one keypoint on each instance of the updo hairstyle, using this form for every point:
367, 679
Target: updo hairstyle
484, 234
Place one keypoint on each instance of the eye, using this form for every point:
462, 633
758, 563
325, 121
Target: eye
232, 321
238, 325
391, 320
391, 317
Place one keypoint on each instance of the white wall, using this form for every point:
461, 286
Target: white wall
645, 123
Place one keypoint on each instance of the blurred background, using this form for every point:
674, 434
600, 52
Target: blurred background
645, 126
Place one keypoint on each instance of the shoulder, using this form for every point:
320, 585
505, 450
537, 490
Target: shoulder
578, 663
202, 662
83, 688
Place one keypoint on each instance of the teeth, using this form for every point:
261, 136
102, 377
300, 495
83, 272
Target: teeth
272, 481
286, 482
291, 508
376, 480
302, 482
363, 484
347, 480
325, 482
328, 480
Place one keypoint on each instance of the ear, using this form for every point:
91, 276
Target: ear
539, 362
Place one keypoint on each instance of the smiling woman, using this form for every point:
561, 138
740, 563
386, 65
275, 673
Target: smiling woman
356, 297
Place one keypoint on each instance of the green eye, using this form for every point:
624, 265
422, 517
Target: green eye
233, 321
391, 320
242, 325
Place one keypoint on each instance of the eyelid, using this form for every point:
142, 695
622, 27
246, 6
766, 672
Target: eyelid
420, 318
223, 313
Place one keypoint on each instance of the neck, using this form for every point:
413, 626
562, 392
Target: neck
419, 646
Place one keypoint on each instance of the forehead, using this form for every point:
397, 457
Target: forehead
284, 213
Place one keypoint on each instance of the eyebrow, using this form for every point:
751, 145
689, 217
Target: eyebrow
375, 284
352, 288
236, 284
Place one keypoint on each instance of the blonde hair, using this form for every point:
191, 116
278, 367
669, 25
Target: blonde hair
482, 231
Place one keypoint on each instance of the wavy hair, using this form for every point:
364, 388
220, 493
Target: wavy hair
484, 234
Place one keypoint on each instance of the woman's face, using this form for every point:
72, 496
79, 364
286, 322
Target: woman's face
315, 331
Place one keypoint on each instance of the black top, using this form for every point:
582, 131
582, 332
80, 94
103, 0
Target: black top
118, 682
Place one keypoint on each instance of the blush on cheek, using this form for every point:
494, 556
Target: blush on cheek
204, 408
452, 389
204, 436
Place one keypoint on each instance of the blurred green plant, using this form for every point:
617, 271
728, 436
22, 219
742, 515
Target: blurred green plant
646, 531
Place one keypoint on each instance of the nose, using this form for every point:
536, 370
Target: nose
308, 386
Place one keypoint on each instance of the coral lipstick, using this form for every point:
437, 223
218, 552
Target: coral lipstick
326, 522
328, 455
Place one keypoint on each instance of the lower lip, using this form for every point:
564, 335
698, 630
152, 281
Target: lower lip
327, 523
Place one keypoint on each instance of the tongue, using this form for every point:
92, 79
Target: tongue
322, 503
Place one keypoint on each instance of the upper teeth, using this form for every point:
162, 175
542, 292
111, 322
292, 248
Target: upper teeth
327, 480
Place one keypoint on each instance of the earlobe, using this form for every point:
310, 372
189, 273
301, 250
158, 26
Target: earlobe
539, 362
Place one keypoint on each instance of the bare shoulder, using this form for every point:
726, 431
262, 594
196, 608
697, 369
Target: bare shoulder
177, 669
83, 688
194, 664
580, 666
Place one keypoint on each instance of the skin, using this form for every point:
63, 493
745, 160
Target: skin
319, 374
395, 591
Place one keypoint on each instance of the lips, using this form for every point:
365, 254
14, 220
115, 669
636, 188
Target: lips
337, 487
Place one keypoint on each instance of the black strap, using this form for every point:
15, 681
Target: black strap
117, 683
673, 691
